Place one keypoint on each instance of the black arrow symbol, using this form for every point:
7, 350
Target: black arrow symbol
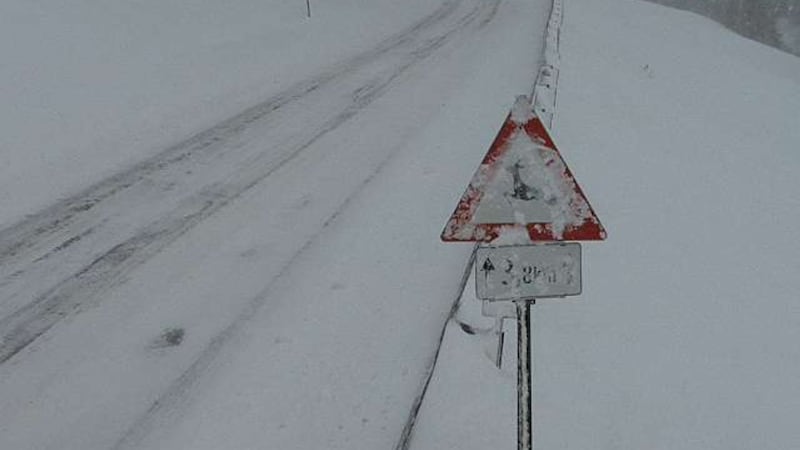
487, 266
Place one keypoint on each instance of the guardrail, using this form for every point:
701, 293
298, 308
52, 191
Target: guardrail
543, 99
545, 88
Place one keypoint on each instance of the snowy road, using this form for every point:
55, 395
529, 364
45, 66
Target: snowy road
89, 284
59, 260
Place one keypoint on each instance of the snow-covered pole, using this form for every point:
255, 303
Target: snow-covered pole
524, 375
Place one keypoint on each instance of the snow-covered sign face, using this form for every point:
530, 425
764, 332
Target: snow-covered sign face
523, 190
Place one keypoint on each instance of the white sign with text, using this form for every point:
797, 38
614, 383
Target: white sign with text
529, 271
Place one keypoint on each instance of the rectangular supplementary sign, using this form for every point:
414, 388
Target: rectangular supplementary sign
529, 271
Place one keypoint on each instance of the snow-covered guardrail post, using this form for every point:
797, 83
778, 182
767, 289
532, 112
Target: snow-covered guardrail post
523, 206
546, 84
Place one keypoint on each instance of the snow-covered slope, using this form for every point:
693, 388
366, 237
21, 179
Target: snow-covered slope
684, 136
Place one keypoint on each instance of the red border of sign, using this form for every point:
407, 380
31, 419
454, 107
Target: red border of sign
459, 227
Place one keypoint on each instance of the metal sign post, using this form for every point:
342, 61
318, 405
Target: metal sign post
516, 276
524, 375
523, 192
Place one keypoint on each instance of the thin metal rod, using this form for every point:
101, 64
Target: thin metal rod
524, 376
308, 7
501, 336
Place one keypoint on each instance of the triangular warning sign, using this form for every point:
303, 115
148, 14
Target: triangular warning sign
523, 184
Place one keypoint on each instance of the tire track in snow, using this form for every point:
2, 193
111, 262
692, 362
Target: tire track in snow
165, 410
86, 227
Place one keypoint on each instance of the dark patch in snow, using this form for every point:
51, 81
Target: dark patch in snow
466, 328
170, 337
